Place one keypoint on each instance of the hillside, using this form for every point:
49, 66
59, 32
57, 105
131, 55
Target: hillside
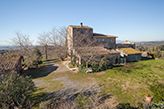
149, 43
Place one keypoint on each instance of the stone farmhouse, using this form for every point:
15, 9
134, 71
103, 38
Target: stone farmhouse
87, 46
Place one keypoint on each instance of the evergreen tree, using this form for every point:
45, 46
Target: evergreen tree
15, 89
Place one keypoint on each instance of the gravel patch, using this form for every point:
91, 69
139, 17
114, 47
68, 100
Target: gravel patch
67, 83
38, 82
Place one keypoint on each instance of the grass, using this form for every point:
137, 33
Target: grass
130, 83
44, 60
47, 84
56, 60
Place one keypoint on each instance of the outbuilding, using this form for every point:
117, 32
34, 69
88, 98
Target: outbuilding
130, 54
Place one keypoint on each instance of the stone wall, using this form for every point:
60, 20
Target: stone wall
78, 37
109, 43
69, 40
82, 37
133, 57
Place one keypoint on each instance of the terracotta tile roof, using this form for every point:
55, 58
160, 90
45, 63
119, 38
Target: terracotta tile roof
8, 63
130, 51
94, 51
74, 26
98, 35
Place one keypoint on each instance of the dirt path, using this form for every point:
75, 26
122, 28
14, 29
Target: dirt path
72, 83
65, 78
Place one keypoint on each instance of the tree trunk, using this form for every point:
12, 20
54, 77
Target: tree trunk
46, 46
86, 64
71, 58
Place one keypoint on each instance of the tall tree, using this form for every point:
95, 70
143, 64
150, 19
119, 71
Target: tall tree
24, 47
43, 40
57, 38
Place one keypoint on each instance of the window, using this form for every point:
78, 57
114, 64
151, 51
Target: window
84, 40
97, 40
103, 40
110, 40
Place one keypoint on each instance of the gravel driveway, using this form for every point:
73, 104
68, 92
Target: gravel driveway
67, 83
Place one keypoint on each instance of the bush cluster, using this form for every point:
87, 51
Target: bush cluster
82, 68
34, 59
104, 64
73, 65
15, 89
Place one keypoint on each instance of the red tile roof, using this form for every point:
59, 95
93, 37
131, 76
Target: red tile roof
74, 26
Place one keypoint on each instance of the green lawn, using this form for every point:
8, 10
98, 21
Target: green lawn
130, 83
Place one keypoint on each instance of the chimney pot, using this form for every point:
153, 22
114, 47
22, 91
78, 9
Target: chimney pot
81, 24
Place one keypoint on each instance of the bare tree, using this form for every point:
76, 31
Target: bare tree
22, 42
24, 48
57, 38
43, 40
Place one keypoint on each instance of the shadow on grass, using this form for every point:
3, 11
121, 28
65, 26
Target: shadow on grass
41, 71
147, 58
69, 96
37, 98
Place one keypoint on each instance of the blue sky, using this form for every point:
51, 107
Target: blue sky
134, 20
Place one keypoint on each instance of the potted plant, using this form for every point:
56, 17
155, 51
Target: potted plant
148, 97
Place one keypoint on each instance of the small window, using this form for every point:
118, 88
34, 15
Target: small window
103, 40
110, 40
97, 40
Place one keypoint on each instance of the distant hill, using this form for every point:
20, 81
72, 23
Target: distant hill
149, 43
119, 41
8, 47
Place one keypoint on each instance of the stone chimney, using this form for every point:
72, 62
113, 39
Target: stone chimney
81, 24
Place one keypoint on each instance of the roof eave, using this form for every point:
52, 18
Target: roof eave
105, 37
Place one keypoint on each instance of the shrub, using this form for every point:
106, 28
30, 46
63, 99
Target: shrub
103, 65
73, 65
155, 54
95, 67
160, 105
125, 106
16, 88
140, 105
82, 101
70, 65
82, 68
34, 59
